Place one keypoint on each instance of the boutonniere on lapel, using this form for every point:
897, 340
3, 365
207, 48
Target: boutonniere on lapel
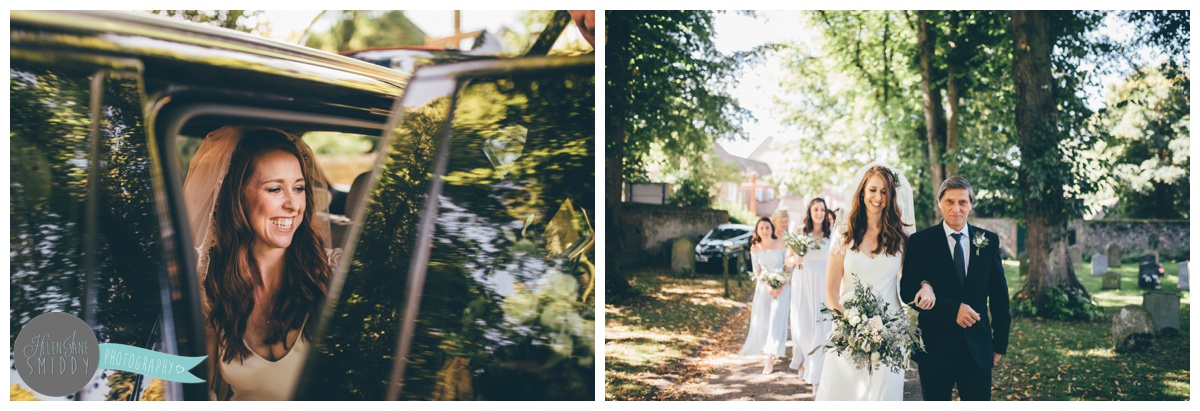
980, 241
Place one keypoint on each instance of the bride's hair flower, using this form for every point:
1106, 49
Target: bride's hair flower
896, 176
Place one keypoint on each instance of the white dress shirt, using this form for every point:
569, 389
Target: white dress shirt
962, 243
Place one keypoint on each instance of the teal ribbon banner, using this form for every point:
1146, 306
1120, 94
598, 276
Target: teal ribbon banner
150, 363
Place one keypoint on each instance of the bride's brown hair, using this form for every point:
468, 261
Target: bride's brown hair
232, 270
891, 236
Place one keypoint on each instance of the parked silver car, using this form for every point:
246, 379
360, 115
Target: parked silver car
733, 237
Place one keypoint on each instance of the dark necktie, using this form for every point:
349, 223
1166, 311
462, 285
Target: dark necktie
960, 260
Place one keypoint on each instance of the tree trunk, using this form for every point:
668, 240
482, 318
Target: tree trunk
1041, 170
952, 69
935, 117
615, 283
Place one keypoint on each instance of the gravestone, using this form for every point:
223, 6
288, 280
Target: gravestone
1183, 276
1149, 276
1164, 312
1076, 254
1112, 280
1153, 252
1133, 330
1099, 265
1114, 254
683, 256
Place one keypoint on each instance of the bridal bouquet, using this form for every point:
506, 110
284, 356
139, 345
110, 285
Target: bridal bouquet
773, 278
870, 333
800, 244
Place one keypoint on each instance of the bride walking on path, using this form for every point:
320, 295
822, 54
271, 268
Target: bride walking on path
769, 310
809, 326
869, 244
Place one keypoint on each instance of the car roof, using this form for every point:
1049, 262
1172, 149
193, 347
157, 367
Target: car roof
737, 226
418, 55
145, 35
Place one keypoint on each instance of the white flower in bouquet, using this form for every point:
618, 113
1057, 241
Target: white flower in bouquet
800, 244
870, 333
773, 278
875, 324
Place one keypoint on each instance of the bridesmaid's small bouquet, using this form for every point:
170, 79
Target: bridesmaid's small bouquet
800, 244
774, 278
870, 333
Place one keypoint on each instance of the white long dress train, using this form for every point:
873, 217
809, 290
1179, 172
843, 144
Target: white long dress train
842, 380
810, 328
768, 316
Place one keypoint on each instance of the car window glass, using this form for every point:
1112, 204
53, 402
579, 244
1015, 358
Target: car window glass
507, 309
83, 204
727, 233
354, 356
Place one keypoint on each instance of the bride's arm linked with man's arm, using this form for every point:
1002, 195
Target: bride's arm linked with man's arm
916, 281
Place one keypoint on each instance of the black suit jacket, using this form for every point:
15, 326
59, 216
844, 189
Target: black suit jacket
927, 257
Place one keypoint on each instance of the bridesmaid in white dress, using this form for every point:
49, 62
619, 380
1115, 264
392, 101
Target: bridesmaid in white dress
769, 310
869, 244
810, 328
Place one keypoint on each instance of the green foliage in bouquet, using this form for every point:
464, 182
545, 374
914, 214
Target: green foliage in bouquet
871, 333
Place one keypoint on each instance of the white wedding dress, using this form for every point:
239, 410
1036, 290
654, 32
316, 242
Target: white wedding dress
842, 380
768, 316
810, 328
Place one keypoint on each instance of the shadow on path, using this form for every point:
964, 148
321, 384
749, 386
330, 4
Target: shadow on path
719, 373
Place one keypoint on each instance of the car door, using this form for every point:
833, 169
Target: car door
89, 235
470, 275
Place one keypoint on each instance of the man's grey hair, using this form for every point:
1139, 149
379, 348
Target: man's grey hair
954, 183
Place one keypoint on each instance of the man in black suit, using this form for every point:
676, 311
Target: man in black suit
953, 276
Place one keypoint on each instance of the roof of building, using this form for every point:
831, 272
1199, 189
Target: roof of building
746, 164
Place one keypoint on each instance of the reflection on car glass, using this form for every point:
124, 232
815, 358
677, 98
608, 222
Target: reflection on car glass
85, 239
563, 232
505, 147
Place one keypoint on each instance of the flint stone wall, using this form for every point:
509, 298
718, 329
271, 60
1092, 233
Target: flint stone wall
648, 231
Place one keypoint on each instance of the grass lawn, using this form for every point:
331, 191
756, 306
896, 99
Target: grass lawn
1056, 360
647, 337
